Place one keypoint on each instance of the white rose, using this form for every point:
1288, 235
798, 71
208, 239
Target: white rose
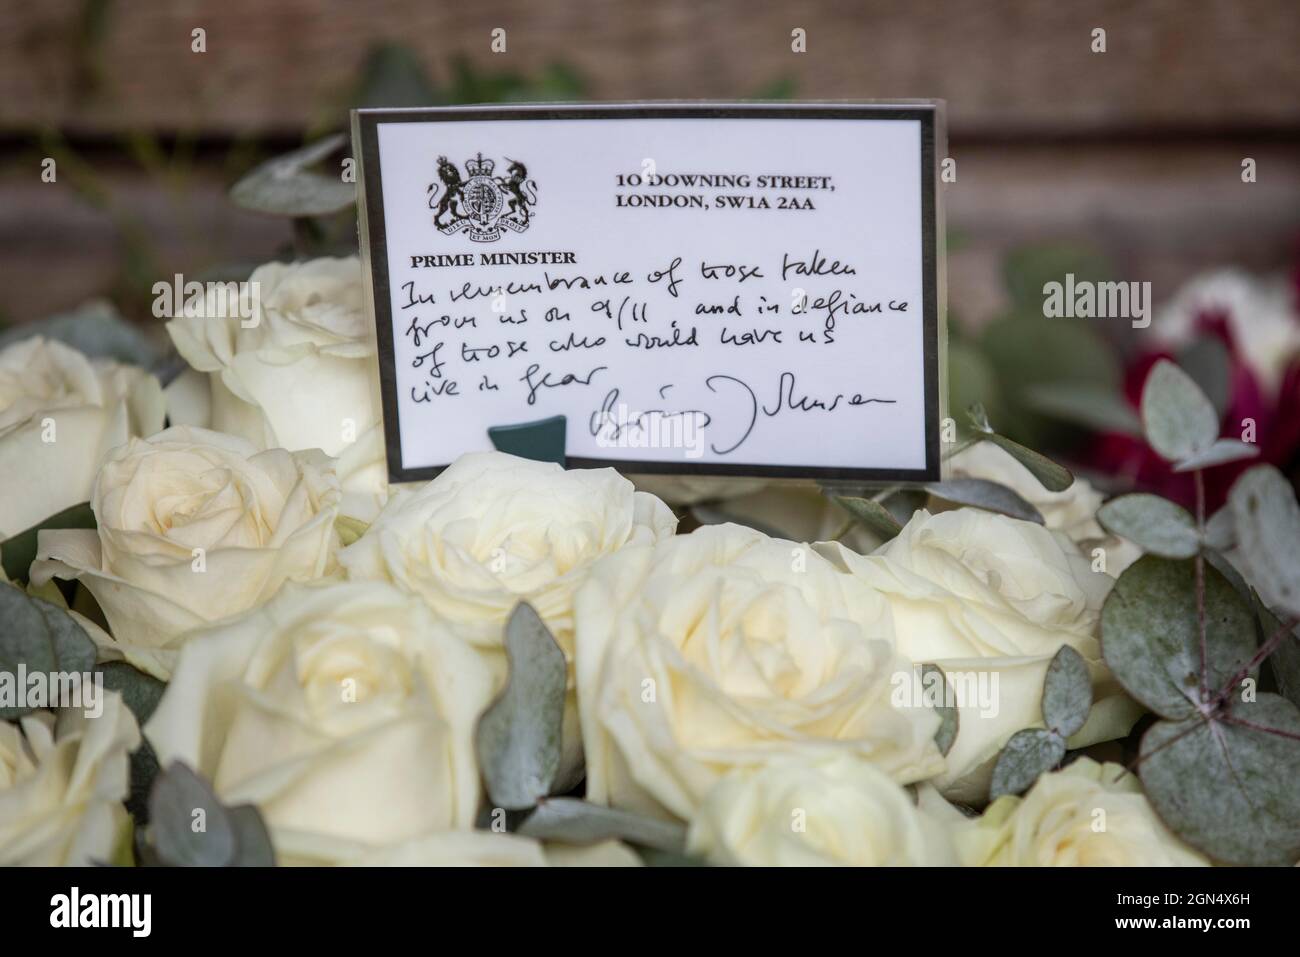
1261, 316
450, 849
345, 712
1072, 512
823, 811
194, 526
299, 373
493, 530
991, 599
60, 413
62, 783
725, 649
1085, 815
457, 849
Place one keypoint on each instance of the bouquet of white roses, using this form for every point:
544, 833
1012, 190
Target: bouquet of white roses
226, 641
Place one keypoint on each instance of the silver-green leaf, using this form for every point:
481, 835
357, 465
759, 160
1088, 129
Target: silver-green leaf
1221, 531
949, 721
189, 825
1028, 754
1219, 453
1155, 524
990, 496
140, 692
578, 822
1228, 787
518, 736
1267, 522
871, 515
1151, 641
96, 329
41, 638
1180, 422
253, 847
1051, 476
285, 186
1067, 692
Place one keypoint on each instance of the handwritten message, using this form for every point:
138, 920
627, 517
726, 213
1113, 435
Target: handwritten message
684, 306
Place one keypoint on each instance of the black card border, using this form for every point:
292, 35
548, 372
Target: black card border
370, 206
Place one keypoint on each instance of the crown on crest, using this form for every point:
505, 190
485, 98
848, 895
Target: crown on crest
480, 166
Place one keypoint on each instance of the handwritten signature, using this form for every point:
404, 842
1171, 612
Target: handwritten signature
615, 423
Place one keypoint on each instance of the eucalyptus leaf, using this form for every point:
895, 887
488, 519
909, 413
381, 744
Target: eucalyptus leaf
284, 186
42, 638
1157, 525
948, 714
518, 736
1067, 692
73, 649
1220, 453
1093, 406
1220, 530
1229, 571
871, 515
905, 503
188, 824
19, 551
143, 771
95, 329
140, 692
1267, 522
1028, 754
1151, 642
1053, 477
990, 496
577, 822
1227, 787
252, 839
1180, 422
24, 640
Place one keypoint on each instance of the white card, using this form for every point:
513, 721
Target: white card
697, 289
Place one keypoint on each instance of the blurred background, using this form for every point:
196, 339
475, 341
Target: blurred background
1124, 164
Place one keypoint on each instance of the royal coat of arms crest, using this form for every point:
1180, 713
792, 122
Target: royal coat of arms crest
481, 204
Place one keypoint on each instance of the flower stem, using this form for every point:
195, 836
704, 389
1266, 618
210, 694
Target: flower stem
1198, 479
